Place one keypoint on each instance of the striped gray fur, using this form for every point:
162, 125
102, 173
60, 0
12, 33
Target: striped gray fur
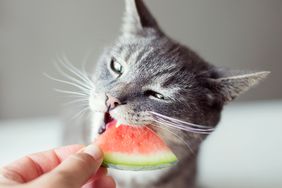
194, 91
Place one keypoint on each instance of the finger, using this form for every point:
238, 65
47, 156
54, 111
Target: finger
101, 172
104, 182
74, 171
34, 165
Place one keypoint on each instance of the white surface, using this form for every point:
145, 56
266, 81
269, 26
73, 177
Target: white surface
20, 137
245, 150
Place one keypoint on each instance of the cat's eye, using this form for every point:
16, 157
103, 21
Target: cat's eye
151, 93
116, 66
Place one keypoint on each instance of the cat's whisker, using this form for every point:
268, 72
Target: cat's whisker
78, 79
177, 136
180, 124
83, 88
175, 127
81, 82
80, 100
188, 129
177, 120
71, 92
74, 80
66, 63
81, 106
80, 113
76, 96
186, 126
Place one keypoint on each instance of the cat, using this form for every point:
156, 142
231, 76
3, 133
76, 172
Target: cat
147, 78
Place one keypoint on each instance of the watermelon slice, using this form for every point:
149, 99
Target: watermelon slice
134, 148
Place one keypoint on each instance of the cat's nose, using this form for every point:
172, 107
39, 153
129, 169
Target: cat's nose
112, 102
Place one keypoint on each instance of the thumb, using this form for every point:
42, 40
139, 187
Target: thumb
75, 170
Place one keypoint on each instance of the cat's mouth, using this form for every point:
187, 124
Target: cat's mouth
107, 119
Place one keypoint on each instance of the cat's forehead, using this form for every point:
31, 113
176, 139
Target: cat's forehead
126, 47
150, 53
155, 61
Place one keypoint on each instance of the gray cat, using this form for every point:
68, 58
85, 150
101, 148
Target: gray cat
147, 78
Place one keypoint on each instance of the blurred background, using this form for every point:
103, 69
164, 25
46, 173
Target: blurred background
236, 34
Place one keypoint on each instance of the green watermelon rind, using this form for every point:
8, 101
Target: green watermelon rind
154, 161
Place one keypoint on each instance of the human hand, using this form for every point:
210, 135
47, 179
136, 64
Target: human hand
67, 167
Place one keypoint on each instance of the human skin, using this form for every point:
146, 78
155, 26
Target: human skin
72, 166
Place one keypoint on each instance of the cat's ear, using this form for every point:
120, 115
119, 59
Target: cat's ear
138, 20
231, 84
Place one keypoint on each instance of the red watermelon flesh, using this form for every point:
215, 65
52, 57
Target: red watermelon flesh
129, 147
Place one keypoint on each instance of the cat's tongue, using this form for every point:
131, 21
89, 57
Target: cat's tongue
112, 123
109, 121
116, 123
104, 120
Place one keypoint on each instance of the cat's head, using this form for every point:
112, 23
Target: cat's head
146, 77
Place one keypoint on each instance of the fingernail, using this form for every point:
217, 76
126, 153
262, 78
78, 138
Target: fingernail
94, 151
